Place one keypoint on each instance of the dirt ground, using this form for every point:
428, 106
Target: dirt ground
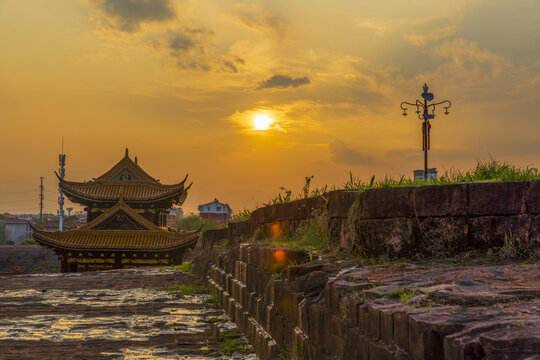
117, 314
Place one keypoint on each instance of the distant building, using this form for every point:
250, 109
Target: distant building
16, 230
174, 215
216, 211
53, 224
431, 174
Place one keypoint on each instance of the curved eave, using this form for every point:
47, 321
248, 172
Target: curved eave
175, 193
60, 240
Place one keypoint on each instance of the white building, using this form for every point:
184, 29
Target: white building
217, 211
17, 230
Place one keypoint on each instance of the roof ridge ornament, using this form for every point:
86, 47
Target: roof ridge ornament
127, 152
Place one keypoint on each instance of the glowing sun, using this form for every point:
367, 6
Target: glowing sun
262, 122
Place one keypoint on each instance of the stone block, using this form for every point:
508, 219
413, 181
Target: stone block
427, 331
394, 202
392, 237
316, 324
490, 231
374, 322
520, 342
287, 211
294, 271
466, 343
401, 328
442, 235
378, 351
240, 228
533, 197
440, 200
311, 282
339, 202
534, 234
497, 198
387, 323
363, 318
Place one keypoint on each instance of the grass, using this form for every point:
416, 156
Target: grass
242, 215
401, 294
181, 291
485, 170
184, 267
514, 249
230, 342
212, 320
313, 237
285, 195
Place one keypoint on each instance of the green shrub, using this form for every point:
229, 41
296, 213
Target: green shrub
184, 267
28, 242
194, 222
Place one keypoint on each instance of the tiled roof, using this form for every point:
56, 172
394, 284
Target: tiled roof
125, 209
87, 237
12, 220
119, 240
126, 164
129, 190
140, 187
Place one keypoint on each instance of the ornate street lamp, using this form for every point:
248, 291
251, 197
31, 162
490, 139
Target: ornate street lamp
423, 109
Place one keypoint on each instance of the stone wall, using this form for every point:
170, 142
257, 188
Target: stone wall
409, 221
291, 307
322, 310
28, 259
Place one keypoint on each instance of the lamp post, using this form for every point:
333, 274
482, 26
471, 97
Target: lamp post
423, 109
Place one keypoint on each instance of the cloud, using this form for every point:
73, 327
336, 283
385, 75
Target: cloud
340, 153
230, 65
431, 35
378, 26
180, 42
128, 15
467, 59
194, 49
256, 18
282, 82
187, 48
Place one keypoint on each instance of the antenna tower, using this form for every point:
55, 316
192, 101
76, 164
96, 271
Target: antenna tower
62, 171
41, 200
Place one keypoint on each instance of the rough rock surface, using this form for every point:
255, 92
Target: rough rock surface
117, 314
340, 310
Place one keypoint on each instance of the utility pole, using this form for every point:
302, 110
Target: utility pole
426, 116
62, 170
41, 201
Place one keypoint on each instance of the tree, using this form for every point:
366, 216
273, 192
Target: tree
2, 233
194, 222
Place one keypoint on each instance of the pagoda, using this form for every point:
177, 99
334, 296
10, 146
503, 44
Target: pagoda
126, 211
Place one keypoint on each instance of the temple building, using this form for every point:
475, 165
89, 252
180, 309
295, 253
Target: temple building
127, 211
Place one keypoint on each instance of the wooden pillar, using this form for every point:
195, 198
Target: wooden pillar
64, 265
117, 261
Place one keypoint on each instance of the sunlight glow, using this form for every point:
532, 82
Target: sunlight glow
262, 122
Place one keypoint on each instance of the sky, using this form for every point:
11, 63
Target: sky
180, 83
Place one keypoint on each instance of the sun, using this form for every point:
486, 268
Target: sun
262, 122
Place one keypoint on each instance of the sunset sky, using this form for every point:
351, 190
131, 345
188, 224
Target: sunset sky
180, 82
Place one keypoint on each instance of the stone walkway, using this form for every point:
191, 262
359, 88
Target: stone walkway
118, 314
